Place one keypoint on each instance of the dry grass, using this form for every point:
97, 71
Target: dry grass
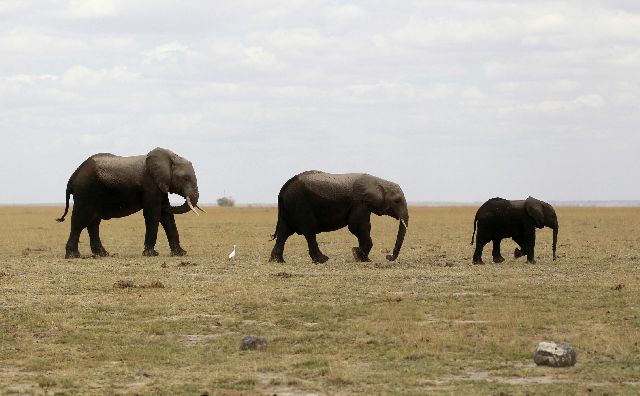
431, 322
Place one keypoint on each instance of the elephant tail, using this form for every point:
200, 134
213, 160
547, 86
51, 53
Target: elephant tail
280, 214
66, 208
275, 233
475, 220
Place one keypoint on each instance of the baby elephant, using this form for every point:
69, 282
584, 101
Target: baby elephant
314, 202
499, 218
106, 186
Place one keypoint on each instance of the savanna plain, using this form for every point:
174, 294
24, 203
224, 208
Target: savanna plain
429, 323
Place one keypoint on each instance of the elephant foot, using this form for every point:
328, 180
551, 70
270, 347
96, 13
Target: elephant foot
100, 252
498, 260
178, 252
276, 258
320, 259
359, 255
517, 253
149, 252
72, 254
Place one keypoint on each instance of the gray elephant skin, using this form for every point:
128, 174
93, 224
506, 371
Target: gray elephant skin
313, 202
499, 218
108, 186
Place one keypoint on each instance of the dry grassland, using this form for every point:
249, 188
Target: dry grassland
429, 323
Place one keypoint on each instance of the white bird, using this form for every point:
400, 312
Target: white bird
232, 255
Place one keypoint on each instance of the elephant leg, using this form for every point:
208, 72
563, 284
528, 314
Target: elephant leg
168, 222
519, 251
79, 221
481, 240
314, 250
497, 257
94, 239
151, 220
530, 247
282, 234
307, 225
361, 228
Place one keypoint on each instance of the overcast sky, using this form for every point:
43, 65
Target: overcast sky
453, 100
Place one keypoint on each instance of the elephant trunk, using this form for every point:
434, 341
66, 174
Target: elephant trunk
186, 206
555, 240
402, 230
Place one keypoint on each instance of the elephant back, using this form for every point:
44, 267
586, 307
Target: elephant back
492, 208
115, 171
328, 185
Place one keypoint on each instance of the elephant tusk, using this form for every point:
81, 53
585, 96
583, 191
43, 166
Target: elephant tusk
191, 206
404, 224
203, 211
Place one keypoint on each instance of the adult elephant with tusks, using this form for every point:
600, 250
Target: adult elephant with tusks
108, 186
313, 202
499, 218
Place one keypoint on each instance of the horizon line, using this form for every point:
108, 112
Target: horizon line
565, 203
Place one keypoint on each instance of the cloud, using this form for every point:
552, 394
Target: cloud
84, 77
584, 102
92, 8
260, 57
8, 7
345, 12
172, 52
23, 40
548, 23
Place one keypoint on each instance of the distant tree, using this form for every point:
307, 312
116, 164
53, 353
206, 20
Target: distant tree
226, 201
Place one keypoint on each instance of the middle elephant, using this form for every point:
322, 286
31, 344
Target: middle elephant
313, 202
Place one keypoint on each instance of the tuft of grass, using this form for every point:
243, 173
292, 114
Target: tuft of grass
126, 284
45, 382
282, 274
152, 285
29, 251
123, 284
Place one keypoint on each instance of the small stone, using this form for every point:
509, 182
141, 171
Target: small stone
549, 353
253, 343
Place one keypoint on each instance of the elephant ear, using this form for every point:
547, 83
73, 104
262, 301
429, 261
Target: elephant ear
535, 210
369, 190
159, 164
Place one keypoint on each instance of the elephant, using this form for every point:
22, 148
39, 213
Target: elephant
499, 218
313, 202
108, 186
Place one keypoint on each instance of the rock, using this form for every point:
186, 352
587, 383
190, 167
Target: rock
253, 343
549, 353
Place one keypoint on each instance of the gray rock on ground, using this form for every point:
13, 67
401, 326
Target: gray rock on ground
549, 353
253, 343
